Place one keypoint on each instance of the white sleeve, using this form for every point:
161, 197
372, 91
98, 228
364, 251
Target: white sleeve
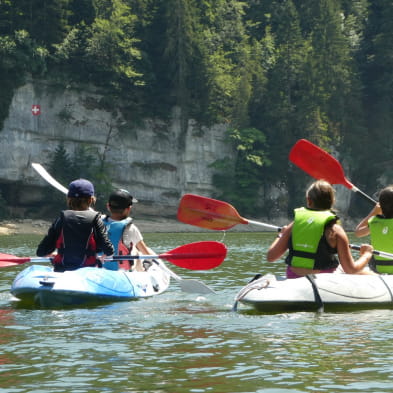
132, 235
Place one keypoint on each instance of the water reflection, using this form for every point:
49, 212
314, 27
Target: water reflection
179, 342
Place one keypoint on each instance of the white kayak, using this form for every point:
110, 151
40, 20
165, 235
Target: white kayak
327, 291
40, 285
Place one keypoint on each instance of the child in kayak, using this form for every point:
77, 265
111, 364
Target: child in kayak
123, 233
379, 225
78, 234
315, 237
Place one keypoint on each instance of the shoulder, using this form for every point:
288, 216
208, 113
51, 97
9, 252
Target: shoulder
57, 223
94, 217
132, 227
90, 213
379, 217
339, 231
128, 221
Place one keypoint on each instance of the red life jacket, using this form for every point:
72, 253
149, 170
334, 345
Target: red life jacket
76, 244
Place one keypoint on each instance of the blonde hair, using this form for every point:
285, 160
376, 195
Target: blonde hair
322, 194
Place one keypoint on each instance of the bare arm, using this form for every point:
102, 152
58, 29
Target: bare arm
362, 229
280, 244
144, 250
344, 254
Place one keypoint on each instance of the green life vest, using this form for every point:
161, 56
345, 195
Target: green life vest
381, 233
308, 247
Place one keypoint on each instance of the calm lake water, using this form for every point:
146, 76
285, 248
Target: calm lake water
178, 342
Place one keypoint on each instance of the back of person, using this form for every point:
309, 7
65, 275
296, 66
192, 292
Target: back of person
308, 246
76, 243
78, 233
115, 231
314, 238
123, 233
381, 234
379, 225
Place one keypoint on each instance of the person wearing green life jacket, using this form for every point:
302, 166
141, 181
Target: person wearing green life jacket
315, 241
379, 225
123, 233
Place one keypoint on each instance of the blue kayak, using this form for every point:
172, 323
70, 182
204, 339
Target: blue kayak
41, 286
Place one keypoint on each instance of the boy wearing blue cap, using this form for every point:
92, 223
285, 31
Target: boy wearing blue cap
78, 233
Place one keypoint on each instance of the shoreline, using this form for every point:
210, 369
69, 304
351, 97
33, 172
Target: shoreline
153, 225
40, 227
158, 225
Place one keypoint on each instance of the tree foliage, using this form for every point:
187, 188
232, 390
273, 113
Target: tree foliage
238, 179
83, 163
273, 71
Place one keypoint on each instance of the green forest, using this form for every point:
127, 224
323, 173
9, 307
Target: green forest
274, 71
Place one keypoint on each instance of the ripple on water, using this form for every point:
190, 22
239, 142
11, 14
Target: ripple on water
179, 342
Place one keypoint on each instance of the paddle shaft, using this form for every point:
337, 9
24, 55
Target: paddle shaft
184, 256
276, 228
22, 260
375, 252
364, 195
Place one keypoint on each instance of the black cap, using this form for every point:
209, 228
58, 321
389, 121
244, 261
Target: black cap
121, 199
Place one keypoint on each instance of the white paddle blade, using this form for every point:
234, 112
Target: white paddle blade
45, 175
195, 286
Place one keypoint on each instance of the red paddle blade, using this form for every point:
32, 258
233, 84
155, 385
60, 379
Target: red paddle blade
208, 213
197, 256
11, 260
318, 163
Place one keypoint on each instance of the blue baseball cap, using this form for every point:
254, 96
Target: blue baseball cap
80, 188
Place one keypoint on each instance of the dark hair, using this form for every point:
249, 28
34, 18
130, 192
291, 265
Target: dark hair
321, 193
121, 199
117, 210
386, 201
81, 203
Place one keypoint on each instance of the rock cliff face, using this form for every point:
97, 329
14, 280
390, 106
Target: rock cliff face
153, 159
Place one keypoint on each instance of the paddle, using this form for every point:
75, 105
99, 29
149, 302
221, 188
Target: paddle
188, 285
45, 175
321, 165
375, 252
212, 214
203, 255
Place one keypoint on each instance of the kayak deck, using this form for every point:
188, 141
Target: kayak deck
327, 291
40, 285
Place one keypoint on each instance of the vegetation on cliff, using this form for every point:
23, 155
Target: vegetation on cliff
274, 71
